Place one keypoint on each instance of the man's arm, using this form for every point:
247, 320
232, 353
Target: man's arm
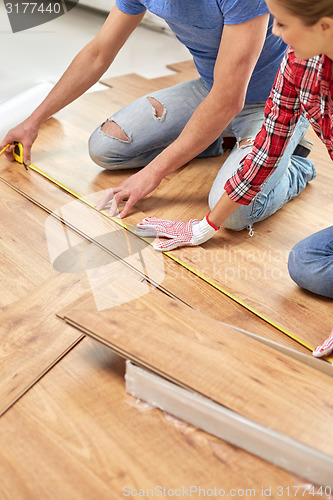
239, 51
85, 70
281, 112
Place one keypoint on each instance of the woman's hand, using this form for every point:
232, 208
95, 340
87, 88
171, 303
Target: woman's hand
178, 233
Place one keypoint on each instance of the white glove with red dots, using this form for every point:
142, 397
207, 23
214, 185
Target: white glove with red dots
325, 349
179, 233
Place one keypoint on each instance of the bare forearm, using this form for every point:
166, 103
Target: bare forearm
224, 207
74, 82
89, 65
238, 53
204, 127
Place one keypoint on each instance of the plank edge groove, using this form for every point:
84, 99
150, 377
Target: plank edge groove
41, 375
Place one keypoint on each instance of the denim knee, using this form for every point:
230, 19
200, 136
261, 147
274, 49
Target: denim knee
311, 270
237, 221
297, 264
103, 151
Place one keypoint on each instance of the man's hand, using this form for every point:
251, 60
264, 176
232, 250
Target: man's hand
324, 349
132, 189
180, 234
25, 133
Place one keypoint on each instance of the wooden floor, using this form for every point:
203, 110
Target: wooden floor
68, 428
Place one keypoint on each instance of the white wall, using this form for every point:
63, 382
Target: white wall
105, 5
150, 20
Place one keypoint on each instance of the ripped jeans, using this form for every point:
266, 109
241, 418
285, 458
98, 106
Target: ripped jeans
147, 133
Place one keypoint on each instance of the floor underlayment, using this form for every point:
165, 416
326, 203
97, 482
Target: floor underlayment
58, 256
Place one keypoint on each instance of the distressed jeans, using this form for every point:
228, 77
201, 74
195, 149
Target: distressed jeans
310, 263
148, 135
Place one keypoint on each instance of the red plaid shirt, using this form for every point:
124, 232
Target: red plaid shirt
301, 86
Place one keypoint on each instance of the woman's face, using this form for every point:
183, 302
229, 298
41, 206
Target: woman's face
306, 41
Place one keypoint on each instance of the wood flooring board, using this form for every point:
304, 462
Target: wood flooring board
22, 247
220, 363
127, 85
184, 70
77, 436
32, 339
183, 67
254, 270
177, 280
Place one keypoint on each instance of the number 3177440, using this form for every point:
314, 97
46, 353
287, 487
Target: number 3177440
33, 7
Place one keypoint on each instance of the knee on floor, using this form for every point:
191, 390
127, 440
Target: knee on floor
306, 273
296, 264
234, 223
107, 153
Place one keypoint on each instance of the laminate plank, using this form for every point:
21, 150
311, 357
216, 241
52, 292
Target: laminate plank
254, 270
78, 435
200, 354
125, 87
177, 280
23, 247
31, 338
184, 70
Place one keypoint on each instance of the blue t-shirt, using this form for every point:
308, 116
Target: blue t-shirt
198, 24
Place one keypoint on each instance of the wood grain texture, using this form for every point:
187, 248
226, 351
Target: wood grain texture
254, 270
32, 339
198, 353
77, 436
21, 248
183, 71
177, 280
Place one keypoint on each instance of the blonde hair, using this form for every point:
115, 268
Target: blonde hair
309, 11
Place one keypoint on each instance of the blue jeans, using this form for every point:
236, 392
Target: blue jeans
148, 135
310, 263
287, 181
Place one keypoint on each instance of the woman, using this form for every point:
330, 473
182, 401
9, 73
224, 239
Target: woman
304, 84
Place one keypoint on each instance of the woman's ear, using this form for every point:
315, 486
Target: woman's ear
326, 24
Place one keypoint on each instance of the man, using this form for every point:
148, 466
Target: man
237, 58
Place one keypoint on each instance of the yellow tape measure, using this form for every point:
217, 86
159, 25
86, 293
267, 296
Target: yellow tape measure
18, 156
4, 149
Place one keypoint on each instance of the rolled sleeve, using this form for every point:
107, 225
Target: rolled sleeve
132, 7
282, 111
236, 11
